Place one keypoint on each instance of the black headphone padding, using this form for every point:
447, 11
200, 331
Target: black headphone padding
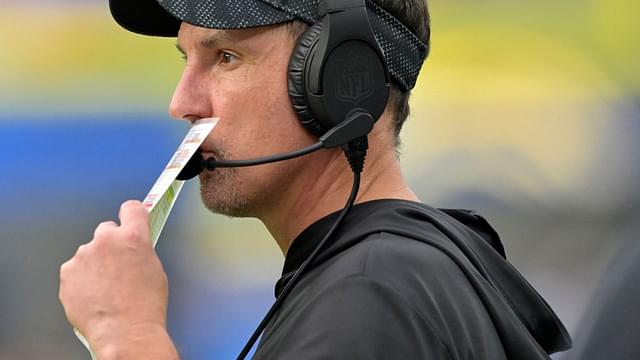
297, 82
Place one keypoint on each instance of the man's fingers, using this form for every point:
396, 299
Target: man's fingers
103, 227
133, 211
134, 217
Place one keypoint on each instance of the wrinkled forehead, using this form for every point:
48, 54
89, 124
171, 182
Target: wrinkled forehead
208, 38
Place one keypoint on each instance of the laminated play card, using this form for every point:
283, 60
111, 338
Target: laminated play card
160, 199
164, 192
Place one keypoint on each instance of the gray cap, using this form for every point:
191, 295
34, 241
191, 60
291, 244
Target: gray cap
404, 52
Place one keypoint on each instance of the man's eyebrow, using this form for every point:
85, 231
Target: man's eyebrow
211, 41
215, 39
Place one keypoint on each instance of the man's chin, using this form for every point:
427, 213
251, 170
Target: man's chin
222, 198
229, 210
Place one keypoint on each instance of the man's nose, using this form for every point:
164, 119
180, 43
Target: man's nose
191, 98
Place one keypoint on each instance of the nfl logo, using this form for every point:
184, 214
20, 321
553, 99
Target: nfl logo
354, 81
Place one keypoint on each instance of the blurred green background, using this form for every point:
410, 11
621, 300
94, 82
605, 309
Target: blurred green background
525, 111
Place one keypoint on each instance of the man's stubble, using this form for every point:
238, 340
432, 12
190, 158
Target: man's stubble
220, 190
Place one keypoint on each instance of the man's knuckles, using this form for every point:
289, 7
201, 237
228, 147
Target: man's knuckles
80, 251
65, 268
135, 236
105, 228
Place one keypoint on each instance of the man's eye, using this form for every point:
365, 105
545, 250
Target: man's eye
226, 58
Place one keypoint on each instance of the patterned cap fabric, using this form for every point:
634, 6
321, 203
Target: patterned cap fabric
404, 53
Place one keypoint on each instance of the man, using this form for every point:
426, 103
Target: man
397, 280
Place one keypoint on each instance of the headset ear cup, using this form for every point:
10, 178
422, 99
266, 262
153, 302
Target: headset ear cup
299, 60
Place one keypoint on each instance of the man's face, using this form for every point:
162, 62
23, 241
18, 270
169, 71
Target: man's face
240, 76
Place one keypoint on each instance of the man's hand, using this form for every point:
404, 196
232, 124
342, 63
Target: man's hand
114, 290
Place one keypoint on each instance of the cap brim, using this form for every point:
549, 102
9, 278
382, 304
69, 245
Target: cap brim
163, 17
146, 17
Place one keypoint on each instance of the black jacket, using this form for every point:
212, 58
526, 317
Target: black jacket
402, 280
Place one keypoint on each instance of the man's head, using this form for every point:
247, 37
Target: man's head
236, 69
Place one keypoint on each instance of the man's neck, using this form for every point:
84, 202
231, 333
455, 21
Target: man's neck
325, 188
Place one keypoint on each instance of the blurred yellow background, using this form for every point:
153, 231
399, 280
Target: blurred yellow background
527, 112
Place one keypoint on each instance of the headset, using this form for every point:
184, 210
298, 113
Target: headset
339, 84
337, 68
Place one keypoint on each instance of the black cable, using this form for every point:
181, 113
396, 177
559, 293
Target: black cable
211, 164
256, 333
